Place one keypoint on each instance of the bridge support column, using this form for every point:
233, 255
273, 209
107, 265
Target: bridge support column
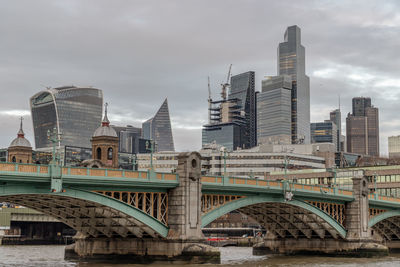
185, 241
358, 241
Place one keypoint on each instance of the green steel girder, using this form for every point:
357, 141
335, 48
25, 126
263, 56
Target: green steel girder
245, 189
157, 226
251, 200
383, 216
382, 204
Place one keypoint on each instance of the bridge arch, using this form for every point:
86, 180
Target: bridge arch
312, 220
387, 225
92, 213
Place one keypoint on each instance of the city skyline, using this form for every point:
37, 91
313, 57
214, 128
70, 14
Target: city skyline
353, 57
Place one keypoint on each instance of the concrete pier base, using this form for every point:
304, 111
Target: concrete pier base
394, 246
328, 247
135, 250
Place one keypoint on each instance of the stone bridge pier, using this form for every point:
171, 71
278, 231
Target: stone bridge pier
357, 242
184, 242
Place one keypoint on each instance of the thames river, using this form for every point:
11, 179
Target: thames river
232, 256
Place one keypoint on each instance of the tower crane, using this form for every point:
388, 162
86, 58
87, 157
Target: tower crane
225, 86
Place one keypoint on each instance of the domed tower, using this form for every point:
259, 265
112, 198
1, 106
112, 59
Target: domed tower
20, 149
105, 144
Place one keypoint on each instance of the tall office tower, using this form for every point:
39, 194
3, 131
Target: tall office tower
360, 104
291, 61
336, 117
324, 132
74, 111
159, 129
362, 128
243, 89
130, 139
394, 146
274, 111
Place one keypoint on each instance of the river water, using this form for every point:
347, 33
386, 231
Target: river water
53, 256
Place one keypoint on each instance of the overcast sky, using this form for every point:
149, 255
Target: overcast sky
141, 52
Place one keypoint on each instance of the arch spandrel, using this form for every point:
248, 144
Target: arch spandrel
321, 218
86, 211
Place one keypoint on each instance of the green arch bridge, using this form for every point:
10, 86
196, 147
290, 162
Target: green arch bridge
131, 213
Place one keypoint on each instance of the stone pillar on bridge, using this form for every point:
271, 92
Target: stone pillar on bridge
357, 211
184, 207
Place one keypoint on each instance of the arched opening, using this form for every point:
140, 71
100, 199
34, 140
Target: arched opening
20, 161
98, 153
110, 153
14, 159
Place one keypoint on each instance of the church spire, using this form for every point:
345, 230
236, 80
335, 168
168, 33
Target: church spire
21, 133
105, 121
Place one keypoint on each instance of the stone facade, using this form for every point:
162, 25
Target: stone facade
20, 154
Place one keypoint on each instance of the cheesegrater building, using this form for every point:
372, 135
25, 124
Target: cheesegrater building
75, 112
159, 129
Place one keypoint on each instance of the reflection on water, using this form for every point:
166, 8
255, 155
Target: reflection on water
231, 256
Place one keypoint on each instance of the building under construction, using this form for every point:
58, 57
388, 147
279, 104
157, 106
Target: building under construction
231, 120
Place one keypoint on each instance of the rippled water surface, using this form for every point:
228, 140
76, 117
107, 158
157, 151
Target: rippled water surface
231, 256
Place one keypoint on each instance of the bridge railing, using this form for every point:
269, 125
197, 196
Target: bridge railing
383, 198
289, 185
23, 167
10, 167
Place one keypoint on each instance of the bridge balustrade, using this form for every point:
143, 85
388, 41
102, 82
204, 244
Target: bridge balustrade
79, 171
284, 184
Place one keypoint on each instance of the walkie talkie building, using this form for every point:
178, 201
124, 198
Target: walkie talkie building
74, 111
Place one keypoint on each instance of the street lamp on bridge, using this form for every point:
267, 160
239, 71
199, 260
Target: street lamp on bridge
55, 138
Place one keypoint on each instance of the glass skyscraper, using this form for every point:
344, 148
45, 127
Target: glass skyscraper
324, 132
75, 112
274, 111
336, 117
228, 135
243, 89
291, 61
159, 129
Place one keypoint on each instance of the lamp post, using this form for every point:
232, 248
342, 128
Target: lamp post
55, 169
55, 138
132, 160
225, 179
151, 146
375, 193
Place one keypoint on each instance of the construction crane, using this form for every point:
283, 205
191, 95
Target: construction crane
225, 86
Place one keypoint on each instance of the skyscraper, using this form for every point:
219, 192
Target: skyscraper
159, 129
243, 89
362, 128
130, 139
232, 121
291, 61
324, 132
394, 146
74, 111
336, 117
274, 111
360, 104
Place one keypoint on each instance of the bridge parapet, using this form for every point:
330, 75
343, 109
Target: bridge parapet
246, 184
43, 170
